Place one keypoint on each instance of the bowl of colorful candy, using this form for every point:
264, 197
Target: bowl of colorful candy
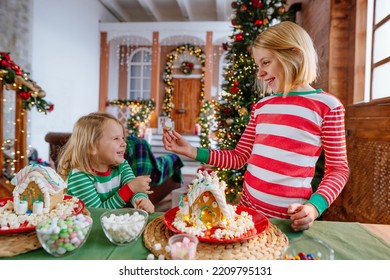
64, 235
307, 249
124, 226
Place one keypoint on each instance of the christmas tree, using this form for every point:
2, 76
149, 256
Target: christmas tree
240, 91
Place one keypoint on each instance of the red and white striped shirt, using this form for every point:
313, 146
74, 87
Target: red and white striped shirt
281, 144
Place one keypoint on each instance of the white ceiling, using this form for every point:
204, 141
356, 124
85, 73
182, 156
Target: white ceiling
169, 10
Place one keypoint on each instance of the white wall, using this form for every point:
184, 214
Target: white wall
65, 63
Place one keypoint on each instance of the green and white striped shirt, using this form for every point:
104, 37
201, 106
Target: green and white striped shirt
104, 190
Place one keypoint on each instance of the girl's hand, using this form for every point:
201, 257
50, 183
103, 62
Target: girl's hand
145, 204
303, 216
174, 142
140, 184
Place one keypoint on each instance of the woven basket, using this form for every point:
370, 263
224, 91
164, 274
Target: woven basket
266, 246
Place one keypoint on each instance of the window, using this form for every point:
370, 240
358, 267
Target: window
377, 50
140, 67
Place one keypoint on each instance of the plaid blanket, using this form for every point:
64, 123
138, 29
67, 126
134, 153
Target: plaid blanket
142, 161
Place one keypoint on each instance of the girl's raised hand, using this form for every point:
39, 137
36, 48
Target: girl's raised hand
140, 184
174, 142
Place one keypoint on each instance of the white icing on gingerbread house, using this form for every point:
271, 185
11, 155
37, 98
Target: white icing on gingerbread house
38, 184
205, 203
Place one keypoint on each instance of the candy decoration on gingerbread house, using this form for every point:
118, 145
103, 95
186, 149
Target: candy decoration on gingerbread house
205, 203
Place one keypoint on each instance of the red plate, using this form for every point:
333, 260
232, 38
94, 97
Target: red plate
24, 228
261, 224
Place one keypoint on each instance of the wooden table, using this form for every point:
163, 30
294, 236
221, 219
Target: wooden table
350, 241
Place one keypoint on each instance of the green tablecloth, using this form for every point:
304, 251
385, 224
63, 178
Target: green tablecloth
350, 241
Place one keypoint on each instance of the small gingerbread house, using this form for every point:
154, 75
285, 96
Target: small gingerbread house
205, 203
38, 184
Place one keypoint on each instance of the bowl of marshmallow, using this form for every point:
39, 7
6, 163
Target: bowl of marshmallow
124, 226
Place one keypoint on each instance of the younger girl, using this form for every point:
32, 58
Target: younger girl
286, 133
93, 164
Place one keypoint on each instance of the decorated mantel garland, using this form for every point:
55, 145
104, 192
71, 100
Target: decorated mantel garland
14, 78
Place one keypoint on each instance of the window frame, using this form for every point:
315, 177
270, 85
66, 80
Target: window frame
363, 62
139, 93
375, 27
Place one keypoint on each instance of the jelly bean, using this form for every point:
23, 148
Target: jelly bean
54, 237
310, 256
63, 234
300, 256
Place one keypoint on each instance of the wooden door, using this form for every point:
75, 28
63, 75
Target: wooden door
186, 101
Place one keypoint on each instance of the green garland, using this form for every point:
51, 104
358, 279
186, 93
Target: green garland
14, 78
140, 113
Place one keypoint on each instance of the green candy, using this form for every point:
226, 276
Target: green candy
69, 247
54, 237
64, 235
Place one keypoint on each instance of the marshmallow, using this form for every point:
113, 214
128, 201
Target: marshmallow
123, 228
157, 246
38, 207
21, 207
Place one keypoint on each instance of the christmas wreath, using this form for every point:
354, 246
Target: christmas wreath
186, 67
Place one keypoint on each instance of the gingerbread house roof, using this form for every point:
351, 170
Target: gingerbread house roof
210, 182
45, 177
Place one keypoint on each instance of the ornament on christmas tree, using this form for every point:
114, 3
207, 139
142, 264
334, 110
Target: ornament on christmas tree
243, 111
259, 22
239, 37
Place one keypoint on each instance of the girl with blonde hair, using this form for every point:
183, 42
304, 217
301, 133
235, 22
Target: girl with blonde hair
285, 135
92, 162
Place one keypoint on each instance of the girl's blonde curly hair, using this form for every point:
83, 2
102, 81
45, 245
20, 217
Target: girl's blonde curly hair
85, 137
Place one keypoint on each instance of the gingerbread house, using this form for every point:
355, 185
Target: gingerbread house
37, 185
205, 203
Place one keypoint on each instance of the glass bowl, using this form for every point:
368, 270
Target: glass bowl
124, 226
307, 249
63, 235
183, 246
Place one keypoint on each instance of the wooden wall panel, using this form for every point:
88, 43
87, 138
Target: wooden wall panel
315, 19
